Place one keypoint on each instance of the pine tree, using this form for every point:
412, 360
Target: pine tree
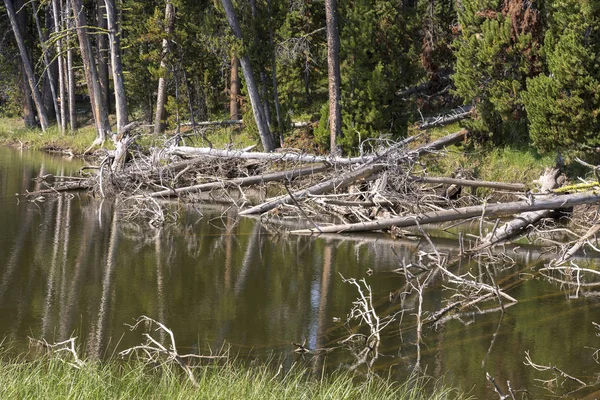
379, 50
498, 49
564, 105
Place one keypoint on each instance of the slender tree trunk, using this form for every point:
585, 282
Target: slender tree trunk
261, 122
161, 97
234, 90
29, 112
28, 106
274, 78
58, 26
91, 73
262, 75
70, 73
46, 59
117, 67
101, 17
333, 67
188, 93
37, 98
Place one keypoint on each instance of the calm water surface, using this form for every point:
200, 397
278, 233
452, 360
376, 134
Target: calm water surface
72, 266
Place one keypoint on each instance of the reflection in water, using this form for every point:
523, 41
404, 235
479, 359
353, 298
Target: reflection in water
70, 266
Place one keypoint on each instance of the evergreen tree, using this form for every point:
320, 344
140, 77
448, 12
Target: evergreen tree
379, 51
564, 105
498, 49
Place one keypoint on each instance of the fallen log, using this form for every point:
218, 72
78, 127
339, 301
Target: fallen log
490, 210
214, 123
64, 187
345, 179
246, 181
515, 227
186, 151
456, 115
577, 246
466, 182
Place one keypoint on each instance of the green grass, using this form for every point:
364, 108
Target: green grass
45, 378
14, 133
487, 162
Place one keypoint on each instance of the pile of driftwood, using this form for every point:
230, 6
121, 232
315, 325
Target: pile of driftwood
383, 189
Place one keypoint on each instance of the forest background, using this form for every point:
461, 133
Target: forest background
529, 68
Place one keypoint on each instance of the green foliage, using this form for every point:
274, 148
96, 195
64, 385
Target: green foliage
379, 55
14, 133
498, 49
53, 379
564, 104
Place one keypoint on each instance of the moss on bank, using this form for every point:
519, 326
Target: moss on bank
52, 379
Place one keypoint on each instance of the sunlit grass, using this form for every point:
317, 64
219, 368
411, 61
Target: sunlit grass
45, 378
14, 133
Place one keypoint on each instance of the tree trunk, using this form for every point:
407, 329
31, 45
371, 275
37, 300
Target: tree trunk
70, 73
28, 106
46, 58
261, 122
117, 67
58, 26
234, 90
37, 98
333, 68
161, 97
490, 210
240, 182
91, 73
274, 78
101, 17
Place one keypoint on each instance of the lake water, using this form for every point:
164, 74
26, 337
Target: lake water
72, 265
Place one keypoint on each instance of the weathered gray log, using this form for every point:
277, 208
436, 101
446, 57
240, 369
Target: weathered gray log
456, 115
214, 123
490, 210
467, 182
186, 151
548, 182
578, 245
226, 122
347, 178
247, 181
64, 187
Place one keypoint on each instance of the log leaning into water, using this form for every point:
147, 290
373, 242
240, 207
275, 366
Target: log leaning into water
490, 210
246, 181
515, 227
346, 179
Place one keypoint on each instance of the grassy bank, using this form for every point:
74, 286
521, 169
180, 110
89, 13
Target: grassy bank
13, 133
52, 379
487, 162
504, 164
